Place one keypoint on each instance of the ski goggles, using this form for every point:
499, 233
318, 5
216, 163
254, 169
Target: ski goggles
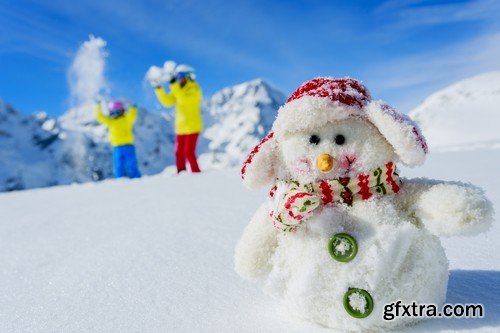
116, 113
182, 75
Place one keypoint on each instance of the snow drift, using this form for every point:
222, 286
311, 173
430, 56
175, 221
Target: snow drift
120, 256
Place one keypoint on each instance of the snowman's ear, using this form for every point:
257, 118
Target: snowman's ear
400, 131
260, 167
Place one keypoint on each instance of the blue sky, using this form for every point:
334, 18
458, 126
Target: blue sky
402, 50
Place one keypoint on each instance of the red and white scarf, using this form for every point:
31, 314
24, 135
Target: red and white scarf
299, 201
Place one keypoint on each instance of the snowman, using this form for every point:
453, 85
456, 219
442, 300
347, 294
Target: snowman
341, 234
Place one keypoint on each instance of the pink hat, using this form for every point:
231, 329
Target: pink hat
115, 105
325, 100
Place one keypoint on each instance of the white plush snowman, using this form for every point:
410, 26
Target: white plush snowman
341, 234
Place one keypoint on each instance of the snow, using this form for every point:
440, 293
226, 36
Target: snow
342, 246
358, 302
463, 115
240, 116
23, 154
86, 76
86, 73
156, 254
156, 75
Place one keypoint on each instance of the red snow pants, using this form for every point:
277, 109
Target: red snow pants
185, 147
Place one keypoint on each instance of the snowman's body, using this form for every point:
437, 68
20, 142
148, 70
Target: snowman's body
395, 261
341, 238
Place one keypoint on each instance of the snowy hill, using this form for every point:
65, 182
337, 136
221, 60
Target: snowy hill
240, 116
136, 255
463, 115
38, 151
25, 149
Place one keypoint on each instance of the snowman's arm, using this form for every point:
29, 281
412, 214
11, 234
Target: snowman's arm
446, 208
256, 246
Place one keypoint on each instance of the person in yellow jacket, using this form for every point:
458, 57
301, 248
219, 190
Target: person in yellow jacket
121, 136
186, 95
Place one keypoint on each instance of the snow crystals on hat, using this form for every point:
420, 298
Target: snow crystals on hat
346, 91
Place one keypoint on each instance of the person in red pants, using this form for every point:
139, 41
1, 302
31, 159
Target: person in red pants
185, 147
185, 94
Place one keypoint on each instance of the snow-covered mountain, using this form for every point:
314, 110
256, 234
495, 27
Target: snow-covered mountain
39, 151
239, 117
25, 148
464, 115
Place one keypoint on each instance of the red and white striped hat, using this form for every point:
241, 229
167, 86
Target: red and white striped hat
325, 100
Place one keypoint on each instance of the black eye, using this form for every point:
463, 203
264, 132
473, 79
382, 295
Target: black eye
314, 139
339, 139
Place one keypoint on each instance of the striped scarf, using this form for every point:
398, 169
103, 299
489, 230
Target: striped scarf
299, 202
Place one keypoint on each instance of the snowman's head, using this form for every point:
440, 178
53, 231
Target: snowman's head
342, 148
331, 128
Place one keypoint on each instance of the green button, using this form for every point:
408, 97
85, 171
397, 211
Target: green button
358, 303
342, 247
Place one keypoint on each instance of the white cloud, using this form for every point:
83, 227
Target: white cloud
27, 34
466, 58
408, 14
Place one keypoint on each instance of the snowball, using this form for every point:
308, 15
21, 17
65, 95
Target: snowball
154, 74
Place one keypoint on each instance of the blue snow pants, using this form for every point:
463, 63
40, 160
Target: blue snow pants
125, 162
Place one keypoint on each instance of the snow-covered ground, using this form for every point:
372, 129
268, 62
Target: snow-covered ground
155, 254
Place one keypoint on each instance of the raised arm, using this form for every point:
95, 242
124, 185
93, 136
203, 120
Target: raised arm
446, 208
166, 99
99, 115
131, 114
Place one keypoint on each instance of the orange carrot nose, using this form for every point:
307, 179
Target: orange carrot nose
325, 163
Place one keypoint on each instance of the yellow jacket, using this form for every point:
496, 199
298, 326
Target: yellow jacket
121, 129
187, 101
